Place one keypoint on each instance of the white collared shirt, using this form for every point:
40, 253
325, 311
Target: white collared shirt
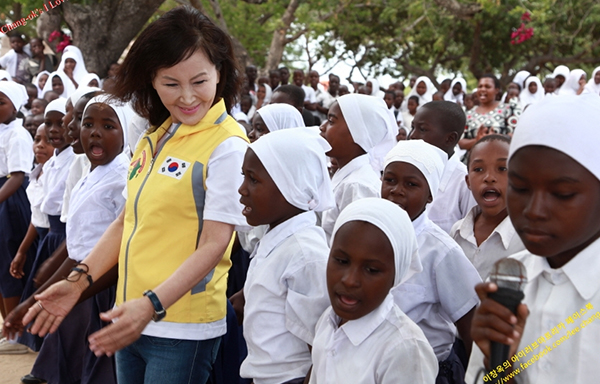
356, 180
454, 199
286, 293
309, 94
553, 296
383, 347
54, 180
444, 292
16, 153
501, 243
79, 168
96, 202
35, 195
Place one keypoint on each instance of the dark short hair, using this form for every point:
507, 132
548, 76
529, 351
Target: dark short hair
414, 98
295, 93
485, 139
388, 92
449, 114
490, 76
173, 38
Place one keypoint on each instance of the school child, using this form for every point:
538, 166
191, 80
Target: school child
355, 125
13, 59
274, 117
363, 337
38, 106
16, 160
39, 62
555, 212
32, 122
40, 81
532, 92
549, 86
442, 123
402, 135
441, 299
424, 90
285, 183
486, 234
60, 83
409, 114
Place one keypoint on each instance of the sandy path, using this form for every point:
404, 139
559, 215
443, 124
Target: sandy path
13, 367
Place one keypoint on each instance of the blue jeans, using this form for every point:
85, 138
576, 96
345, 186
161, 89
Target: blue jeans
156, 360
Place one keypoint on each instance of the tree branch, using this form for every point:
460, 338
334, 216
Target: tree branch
460, 10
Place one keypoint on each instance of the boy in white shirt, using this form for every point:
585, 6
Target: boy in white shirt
486, 234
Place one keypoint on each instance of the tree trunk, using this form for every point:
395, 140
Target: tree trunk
103, 29
47, 23
279, 40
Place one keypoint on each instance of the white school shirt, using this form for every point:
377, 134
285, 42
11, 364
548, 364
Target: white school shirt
454, 198
553, 296
35, 195
54, 179
309, 94
383, 347
356, 180
79, 168
96, 202
444, 292
286, 293
16, 153
501, 243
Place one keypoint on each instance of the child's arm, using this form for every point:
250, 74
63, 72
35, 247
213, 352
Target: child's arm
12, 185
16, 266
50, 266
463, 325
238, 300
494, 322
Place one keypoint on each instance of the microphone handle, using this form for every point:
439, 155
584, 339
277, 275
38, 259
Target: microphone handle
511, 299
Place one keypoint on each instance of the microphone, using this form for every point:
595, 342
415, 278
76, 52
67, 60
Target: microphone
510, 276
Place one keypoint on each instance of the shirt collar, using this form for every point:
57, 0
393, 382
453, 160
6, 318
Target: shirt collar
275, 236
101, 171
358, 330
346, 170
505, 229
61, 159
582, 270
421, 222
15, 122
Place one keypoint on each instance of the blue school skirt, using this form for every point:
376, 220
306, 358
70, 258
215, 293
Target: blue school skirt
15, 215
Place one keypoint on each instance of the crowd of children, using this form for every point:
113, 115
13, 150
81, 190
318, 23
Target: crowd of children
374, 220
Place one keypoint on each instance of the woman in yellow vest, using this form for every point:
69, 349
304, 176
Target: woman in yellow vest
172, 241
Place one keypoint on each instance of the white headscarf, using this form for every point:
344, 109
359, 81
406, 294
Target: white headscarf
280, 116
520, 78
424, 98
68, 85
571, 85
58, 105
428, 159
85, 80
123, 111
16, 93
4, 75
449, 96
591, 85
80, 92
72, 52
268, 94
544, 124
527, 97
561, 70
295, 159
372, 125
394, 222
375, 84
37, 83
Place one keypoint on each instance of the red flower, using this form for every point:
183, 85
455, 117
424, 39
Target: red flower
54, 35
526, 16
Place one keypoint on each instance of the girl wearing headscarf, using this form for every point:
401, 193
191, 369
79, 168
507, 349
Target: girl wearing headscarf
274, 117
560, 75
456, 92
356, 124
593, 84
90, 80
423, 89
372, 340
575, 83
440, 304
285, 182
263, 95
76, 73
58, 81
40, 81
374, 87
532, 92
520, 78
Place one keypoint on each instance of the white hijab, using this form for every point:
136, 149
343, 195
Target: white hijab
4, 75
123, 111
428, 159
527, 97
268, 94
280, 116
72, 52
571, 85
68, 85
591, 85
424, 98
544, 124
16, 93
449, 96
56, 105
37, 83
85, 80
394, 222
372, 125
295, 159
375, 84
520, 78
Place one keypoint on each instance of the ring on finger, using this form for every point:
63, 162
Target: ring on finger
39, 303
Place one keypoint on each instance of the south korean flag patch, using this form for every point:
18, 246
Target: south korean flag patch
174, 168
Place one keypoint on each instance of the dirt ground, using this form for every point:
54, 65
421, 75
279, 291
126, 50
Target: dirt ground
13, 367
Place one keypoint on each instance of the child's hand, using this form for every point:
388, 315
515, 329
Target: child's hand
483, 131
495, 322
16, 266
44, 272
238, 301
13, 324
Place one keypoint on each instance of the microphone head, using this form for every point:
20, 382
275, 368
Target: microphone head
510, 274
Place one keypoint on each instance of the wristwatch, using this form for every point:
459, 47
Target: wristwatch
159, 311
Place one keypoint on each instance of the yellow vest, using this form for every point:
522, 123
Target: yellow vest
166, 191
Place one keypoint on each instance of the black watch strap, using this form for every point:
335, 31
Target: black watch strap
159, 311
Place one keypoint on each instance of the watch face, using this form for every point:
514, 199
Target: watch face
158, 316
